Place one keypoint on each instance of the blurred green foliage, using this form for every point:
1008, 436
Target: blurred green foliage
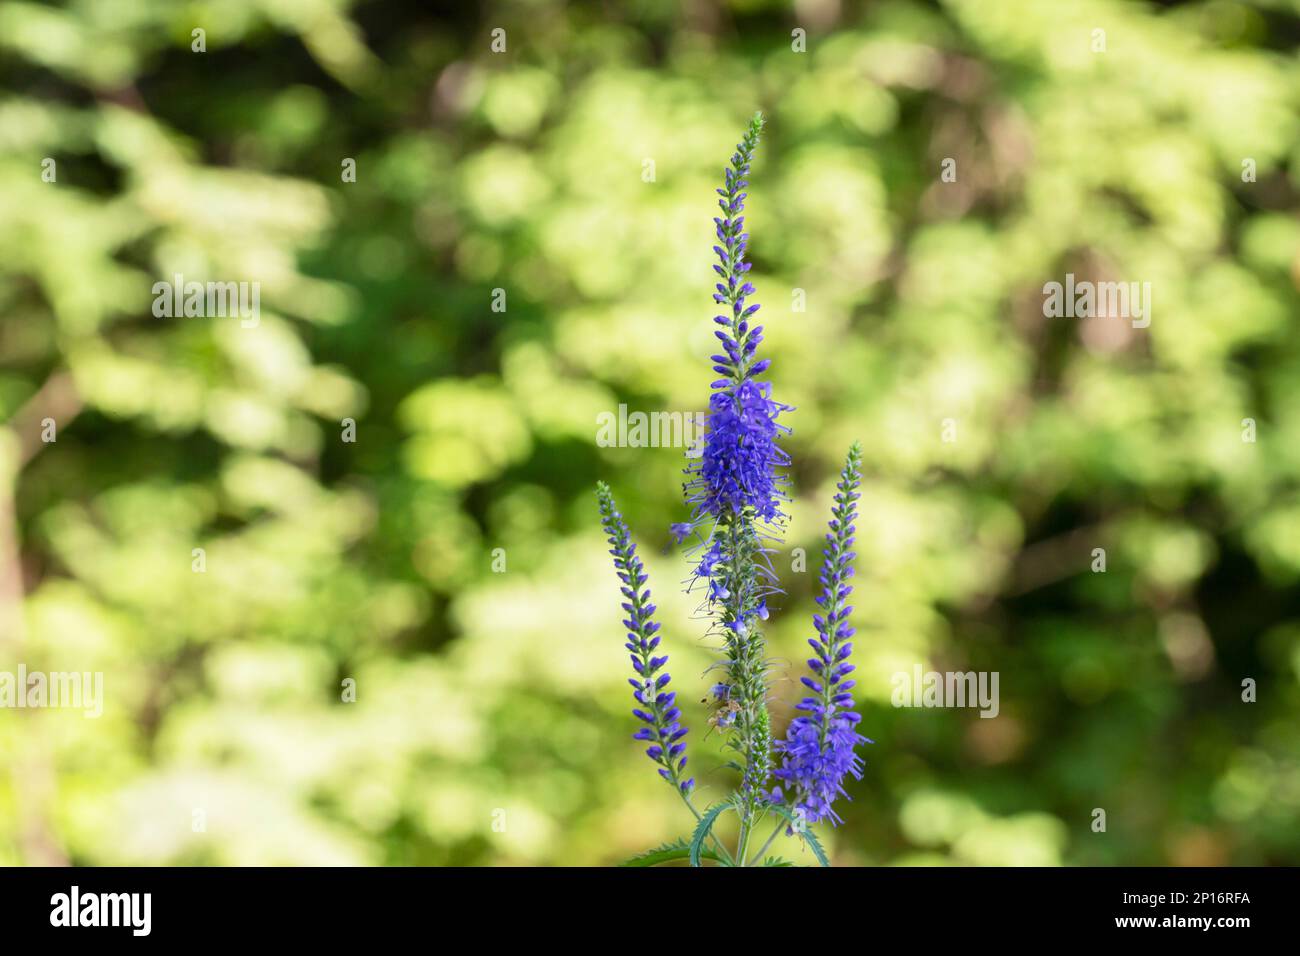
482, 690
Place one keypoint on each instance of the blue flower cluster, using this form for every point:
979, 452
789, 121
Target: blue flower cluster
820, 746
657, 708
735, 492
737, 469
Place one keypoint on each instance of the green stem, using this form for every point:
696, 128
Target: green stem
747, 832
779, 827
742, 849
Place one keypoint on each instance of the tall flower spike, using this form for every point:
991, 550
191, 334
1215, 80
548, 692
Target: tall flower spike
735, 487
819, 749
656, 707
737, 469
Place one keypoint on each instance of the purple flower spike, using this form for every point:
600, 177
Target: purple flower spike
738, 467
655, 707
819, 749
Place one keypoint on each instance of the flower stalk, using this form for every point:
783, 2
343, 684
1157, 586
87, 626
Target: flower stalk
820, 747
735, 493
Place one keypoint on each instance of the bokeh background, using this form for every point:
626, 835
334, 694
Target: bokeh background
481, 690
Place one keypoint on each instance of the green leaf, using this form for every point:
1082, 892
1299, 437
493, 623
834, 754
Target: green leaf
677, 850
702, 831
815, 845
804, 834
776, 861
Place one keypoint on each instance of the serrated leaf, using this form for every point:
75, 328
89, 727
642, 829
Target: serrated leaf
776, 861
804, 833
668, 853
702, 831
815, 845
